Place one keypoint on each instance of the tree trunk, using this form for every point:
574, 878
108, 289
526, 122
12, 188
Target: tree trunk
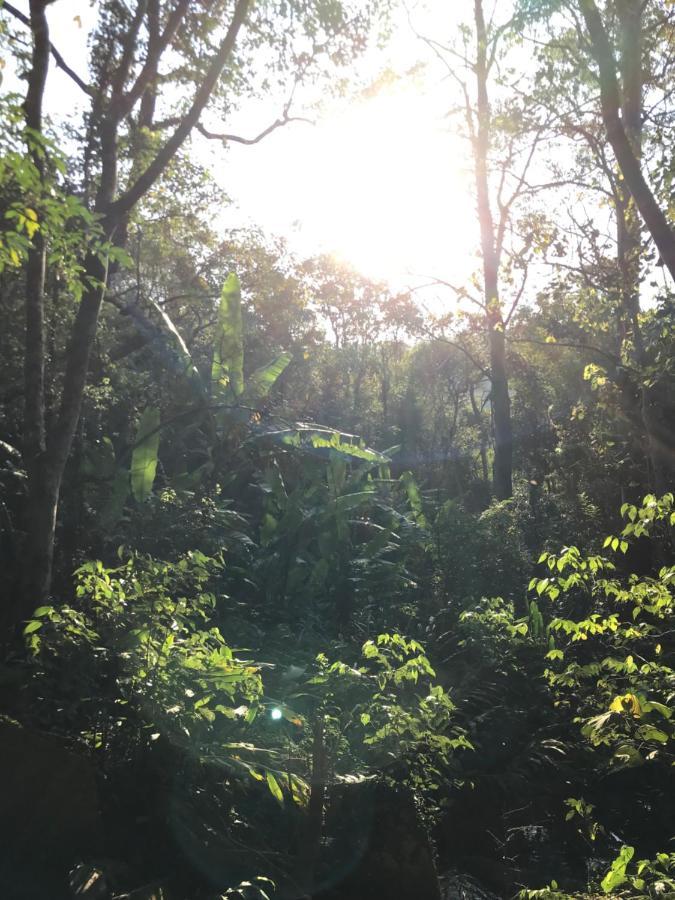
46, 456
315, 807
45, 472
41, 498
501, 403
660, 437
618, 137
478, 416
501, 414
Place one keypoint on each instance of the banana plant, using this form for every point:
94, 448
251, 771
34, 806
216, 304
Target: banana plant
229, 390
330, 539
229, 399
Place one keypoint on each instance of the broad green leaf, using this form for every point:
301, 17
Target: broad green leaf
414, 498
227, 370
261, 382
650, 733
144, 457
273, 785
32, 626
352, 501
183, 359
617, 874
328, 442
661, 708
112, 509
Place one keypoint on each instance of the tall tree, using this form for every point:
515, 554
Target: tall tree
613, 127
503, 134
150, 56
619, 118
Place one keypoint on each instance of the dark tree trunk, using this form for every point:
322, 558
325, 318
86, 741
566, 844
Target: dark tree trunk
315, 806
501, 414
46, 455
478, 416
45, 473
618, 136
501, 403
41, 497
660, 437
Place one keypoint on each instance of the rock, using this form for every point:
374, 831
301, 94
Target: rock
377, 847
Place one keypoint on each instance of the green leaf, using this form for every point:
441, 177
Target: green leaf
414, 498
661, 708
650, 733
273, 785
183, 361
144, 456
617, 874
227, 369
353, 501
113, 507
261, 382
32, 626
328, 442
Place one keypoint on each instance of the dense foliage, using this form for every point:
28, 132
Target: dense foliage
280, 549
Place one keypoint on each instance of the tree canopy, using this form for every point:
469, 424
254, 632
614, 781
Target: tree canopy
316, 583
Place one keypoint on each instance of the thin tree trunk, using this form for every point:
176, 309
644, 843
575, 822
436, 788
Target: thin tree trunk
47, 457
628, 224
483, 438
501, 412
501, 403
315, 806
41, 501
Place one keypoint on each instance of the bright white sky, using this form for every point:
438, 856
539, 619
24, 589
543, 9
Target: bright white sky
383, 183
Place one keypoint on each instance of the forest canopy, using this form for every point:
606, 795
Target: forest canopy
337, 449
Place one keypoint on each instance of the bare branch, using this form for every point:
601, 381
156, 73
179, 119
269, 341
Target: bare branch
149, 70
519, 294
58, 59
167, 152
574, 345
235, 138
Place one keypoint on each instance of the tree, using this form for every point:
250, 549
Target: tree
619, 116
622, 113
630, 53
503, 137
126, 150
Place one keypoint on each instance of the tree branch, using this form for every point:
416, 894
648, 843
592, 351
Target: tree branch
146, 179
610, 103
58, 59
237, 139
155, 51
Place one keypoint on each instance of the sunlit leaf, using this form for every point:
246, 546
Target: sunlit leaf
144, 456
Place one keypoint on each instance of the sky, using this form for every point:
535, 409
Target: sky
382, 182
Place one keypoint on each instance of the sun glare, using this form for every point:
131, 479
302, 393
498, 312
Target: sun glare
384, 185
396, 201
